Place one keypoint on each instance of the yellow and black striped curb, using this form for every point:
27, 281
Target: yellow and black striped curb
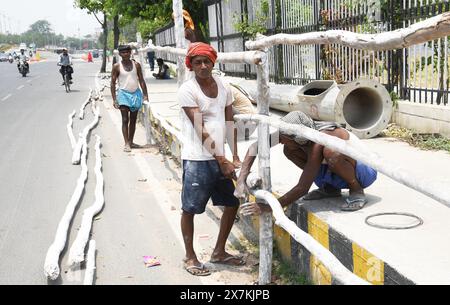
354, 257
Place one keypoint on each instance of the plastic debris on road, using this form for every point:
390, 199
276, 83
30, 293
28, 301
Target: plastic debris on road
151, 261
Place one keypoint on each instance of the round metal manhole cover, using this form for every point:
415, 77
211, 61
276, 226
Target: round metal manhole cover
394, 221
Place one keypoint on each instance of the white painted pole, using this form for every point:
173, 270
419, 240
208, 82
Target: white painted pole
177, 6
87, 101
356, 150
141, 54
336, 268
73, 142
90, 266
51, 266
83, 136
76, 253
428, 30
248, 57
265, 220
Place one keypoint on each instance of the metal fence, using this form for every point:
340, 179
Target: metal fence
419, 73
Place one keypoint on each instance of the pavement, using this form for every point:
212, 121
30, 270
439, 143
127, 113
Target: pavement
420, 255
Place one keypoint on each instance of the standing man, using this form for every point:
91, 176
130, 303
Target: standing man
129, 97
206, 104
151, 56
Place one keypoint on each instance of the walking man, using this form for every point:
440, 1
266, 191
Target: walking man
129, 96
206, 104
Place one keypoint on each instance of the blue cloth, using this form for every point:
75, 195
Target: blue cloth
365, 175
203, 180
132, 100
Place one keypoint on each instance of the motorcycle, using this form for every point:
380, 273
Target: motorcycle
11, 59
23, 68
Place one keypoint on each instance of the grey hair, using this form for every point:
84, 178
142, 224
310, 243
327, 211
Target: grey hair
299, 118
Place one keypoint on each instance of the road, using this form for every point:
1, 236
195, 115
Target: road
38, 179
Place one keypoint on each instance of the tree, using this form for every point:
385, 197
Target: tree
95, 7
41, 27
154, 14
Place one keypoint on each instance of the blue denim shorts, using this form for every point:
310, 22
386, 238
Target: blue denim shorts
203, 180
365, 175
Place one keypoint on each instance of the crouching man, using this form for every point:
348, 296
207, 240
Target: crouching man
330, 170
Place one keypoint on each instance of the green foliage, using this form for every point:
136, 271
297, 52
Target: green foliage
394, 97
41, 34
422, 141
250, 29
284, 273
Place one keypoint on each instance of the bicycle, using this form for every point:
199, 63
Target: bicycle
67, 79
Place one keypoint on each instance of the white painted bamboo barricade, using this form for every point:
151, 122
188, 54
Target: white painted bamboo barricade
73, 142
417, 33
90, 265
340, 273
87, 101
83, 136
76, 253
433, 189
51, 266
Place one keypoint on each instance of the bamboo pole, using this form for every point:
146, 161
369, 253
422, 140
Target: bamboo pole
248, 57
339, 272
265, 220
417, 33
177, 6
358, 151
51, 265
73, 142
76, 253
90, 266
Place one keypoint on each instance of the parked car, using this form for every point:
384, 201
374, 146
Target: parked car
3, 57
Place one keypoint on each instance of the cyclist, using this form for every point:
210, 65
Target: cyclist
65, 61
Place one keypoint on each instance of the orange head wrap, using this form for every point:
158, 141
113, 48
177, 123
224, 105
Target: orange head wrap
188, 22
200, 49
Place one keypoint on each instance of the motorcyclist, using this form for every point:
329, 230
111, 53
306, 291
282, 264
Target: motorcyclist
10, 58
65, 61
23, 57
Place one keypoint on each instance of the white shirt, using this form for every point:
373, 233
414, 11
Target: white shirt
128, 80
23, 57
213, 111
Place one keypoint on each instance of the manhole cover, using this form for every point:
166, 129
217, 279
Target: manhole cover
394, 221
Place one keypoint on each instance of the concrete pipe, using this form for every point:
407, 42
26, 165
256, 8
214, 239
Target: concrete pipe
363, 106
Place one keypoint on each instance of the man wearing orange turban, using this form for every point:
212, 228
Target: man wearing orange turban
207, 120
200, 49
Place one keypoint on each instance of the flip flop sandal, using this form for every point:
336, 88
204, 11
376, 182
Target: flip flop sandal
228, 261
354, 203
320, 194
127, 149
197, 270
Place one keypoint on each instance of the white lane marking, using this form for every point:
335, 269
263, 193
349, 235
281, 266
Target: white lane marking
20, 87
29, 81
6, 97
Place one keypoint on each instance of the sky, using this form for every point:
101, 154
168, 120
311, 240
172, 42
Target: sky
64, 18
